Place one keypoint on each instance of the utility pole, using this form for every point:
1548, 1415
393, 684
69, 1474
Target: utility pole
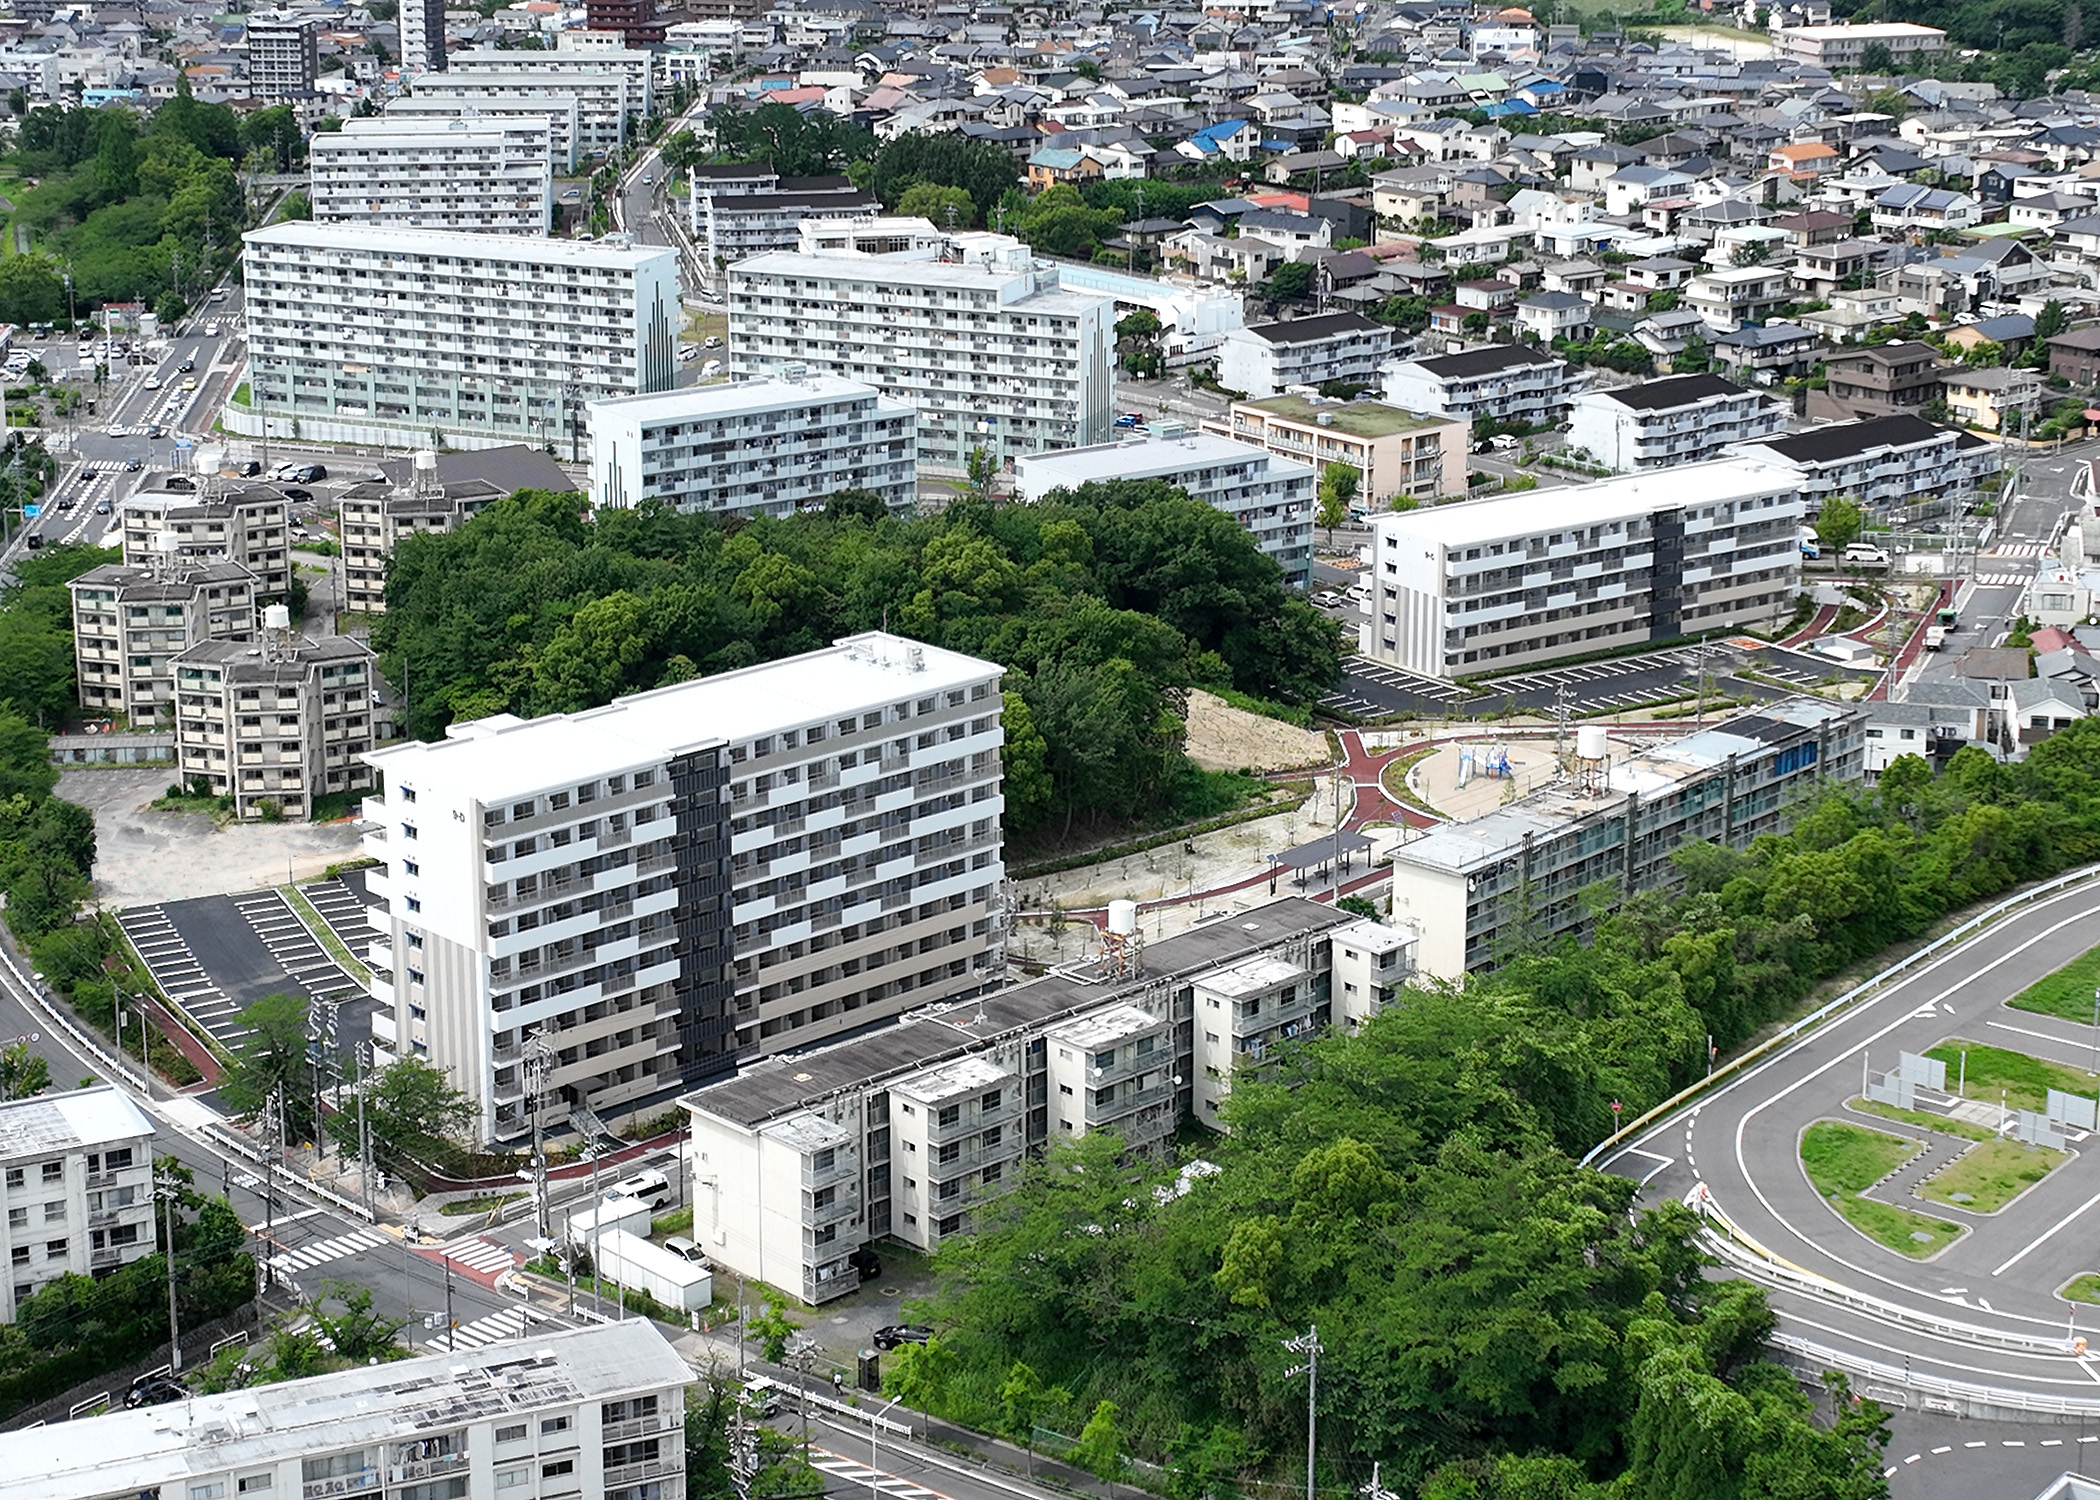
364, 1132
165, 1189
1308, 1344
539, 1062
273, 1117
451, 1326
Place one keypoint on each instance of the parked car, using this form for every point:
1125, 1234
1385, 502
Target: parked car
653, 1188
712, 341
1131, 419
249, 469
1327, 599
156, 1389
891, 1335
178, 482
307, 474
297, 496
685, 1249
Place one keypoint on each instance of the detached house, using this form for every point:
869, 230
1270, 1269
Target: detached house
1909, 206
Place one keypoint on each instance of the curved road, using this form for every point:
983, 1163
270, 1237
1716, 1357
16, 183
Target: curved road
1983, 1311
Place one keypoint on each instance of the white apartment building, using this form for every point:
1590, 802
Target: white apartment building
1522, 579
493, 175
560, 112
128, 624
741, 209
76, 1181
974, 333
245, 523
1504, 382
1882, 461
284, 56
614, 87
1728, 299
904, 1132
597, 101
754, 447
1841, 46
362, 333
597, 1411
1269, 358
1520, 873
1272, 497
729, 867
1397, 454
276, 725
422, 37
1658, 424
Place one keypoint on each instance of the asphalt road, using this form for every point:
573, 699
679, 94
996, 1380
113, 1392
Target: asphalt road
1984, 1310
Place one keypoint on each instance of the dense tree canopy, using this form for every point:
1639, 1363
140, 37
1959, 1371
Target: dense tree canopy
1105, 606
797, 144
916, 159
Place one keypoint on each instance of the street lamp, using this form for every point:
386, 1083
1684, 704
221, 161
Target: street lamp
875, 1431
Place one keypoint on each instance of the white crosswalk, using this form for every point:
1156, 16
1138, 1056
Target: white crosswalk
494, 1329
478, 1254
1999, 580
323, 1251
860, 1474
2018, 549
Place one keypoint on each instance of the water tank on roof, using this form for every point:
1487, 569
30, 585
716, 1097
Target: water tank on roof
426, 461
276, 617
1589, 742
1122, 918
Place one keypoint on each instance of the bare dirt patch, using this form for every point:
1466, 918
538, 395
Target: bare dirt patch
1224, 738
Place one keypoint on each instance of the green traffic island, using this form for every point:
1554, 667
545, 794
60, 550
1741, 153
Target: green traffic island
1842, 1161
1923, 1119
2015, 1080
1990, 1175
2068, 994
2084, 1287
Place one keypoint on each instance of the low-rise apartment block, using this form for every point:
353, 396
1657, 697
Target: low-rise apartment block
488, 176
1271, 497
249, 524
1399, 454
359, 333
1270, 358
129, 623
1523, 579
1502, 382
729, 867
755, 447
972, 331
905, 1132
1658, 424
597, 1411
1522, 873
560, 112
374, 515
276, 725
76, 1183
1882, 461
741, 209
1843, 46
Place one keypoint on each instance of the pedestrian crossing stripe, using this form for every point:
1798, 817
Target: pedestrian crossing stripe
889, 1484
480, 1255
493, 1329
328, 1250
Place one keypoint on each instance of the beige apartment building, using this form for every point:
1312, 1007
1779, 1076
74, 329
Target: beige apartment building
128, 624
279, 724
375, 516
247, 524
1400, 454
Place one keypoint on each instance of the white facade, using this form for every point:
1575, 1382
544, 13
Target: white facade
483, 175
1271, 357
906, 1132
755, 447
1657, 424
1505, 382
471, 336
728, 867
987, 347
422, 37
597, 1411
76, 1182
614, 88
560, 111
1271, 496
1530, 578
1897, 460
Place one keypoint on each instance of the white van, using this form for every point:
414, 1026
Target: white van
653, 1188
1860, 552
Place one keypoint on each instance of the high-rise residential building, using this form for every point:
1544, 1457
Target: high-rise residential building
245, 523
636, 20
596, 1411
488, 175
971, 331
128, 624
1271, 497
1521, 579
279, 724
284, 56
76, 1185
1527, 873
615, 86
478, 339
754, 447
729, 867
560, 113
422, 37
908, 1131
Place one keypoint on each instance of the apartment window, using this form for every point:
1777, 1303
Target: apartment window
410, 867
54, 1212
54, 1171
408, 830
551, 1425
14, 1177
211, 1489
510, 1479
408, 794
557, 1468
414, 904
512, 1434
253, 1484
20, 1255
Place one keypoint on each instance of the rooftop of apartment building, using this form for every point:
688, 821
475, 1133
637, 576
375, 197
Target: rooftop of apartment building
1359, 419
1313, 330
1841, 440
1142, 457
136, 1452
1485, 360
613, 252
777, 1086
505, 755
217, 502
245, 662
1715, 481
710, 403
905, 270
1462, 848
182, 579
1671, 392
510, 468
52, 1123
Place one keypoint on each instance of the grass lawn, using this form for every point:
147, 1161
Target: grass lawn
1843, 1160
2025, 1081
1990, 1174
2084, 1288
2066, 994
1926, 1120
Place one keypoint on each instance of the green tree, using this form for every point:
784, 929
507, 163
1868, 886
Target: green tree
916, 159
2051, 320
772, 1328
1100, 1447
1875, 57
22, 1075
1339, 487
295, 205
946, 207
1023, 766
272, 1059
1839, 523
1023, 1403
408, 1105
918, 1374
344, 1313
1288, 280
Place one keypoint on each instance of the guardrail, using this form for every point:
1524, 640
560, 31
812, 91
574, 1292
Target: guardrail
89, 1043
1814, 1358
789, 1390
1797, 1031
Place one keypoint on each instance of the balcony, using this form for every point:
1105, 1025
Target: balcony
655, 1468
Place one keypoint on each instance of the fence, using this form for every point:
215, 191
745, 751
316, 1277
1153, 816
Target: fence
198, 1344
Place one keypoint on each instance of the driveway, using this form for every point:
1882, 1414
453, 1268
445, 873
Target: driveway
143, 857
